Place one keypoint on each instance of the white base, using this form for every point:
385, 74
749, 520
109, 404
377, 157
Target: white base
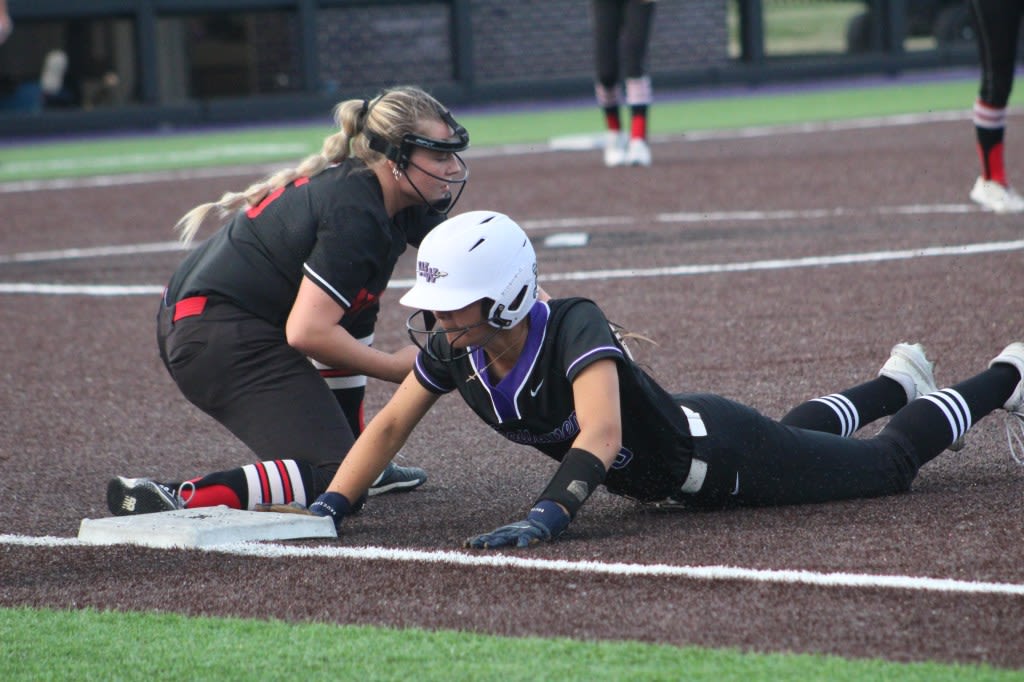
203, 527
566, 240
578, 143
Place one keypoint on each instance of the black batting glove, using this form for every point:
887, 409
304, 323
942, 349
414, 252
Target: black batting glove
334, 505
546, 521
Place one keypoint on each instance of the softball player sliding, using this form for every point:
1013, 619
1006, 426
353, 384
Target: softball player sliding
296, 275
553, 375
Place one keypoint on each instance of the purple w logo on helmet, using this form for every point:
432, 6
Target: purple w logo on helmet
428, 273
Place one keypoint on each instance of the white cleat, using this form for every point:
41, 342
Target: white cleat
638, 153
996, 197
908, 366
614, 148
1013, 355
911, 369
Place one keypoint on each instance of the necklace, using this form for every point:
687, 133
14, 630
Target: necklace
476, 373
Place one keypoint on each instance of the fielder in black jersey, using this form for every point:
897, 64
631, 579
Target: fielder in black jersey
268, 325
554, 375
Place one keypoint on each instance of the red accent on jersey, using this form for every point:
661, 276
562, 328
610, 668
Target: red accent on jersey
189, 307
364, 299
258, 208
331, 373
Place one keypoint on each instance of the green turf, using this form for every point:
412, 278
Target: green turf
92, 645
288, 144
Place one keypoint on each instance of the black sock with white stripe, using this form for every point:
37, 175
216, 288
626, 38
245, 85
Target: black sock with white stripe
843, 413
933, 421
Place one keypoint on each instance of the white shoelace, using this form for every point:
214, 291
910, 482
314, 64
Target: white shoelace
181, 498
1013, 439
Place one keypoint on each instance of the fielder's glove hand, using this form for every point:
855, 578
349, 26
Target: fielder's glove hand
290, 508
334, 505
546, 521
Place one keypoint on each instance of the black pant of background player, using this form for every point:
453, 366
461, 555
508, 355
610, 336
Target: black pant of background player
997, 24
633, 19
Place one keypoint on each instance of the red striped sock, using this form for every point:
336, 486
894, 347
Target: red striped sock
210, 496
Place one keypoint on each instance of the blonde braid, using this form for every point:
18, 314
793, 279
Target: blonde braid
335, 149
391, 115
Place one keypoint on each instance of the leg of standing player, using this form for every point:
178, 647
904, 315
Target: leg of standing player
998, 27
639, 93
608, 17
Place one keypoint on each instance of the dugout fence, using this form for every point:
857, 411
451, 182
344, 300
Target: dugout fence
151, 63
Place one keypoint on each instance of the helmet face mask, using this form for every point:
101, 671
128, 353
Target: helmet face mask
477, 256
444, 205
422, 331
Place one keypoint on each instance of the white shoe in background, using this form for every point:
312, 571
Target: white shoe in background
614, 148
996, 197
638, 153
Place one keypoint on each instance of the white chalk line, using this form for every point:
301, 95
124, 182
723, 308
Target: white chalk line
707, 573
572, 223
790, 263
623, 273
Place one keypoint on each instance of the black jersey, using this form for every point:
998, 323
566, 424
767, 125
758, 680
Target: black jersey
534, 403
331, 228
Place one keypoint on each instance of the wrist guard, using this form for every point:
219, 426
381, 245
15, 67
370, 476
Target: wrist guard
549, 515
578, 476
334, 505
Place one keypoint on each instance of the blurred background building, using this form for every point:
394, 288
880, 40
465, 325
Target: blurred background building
141, 63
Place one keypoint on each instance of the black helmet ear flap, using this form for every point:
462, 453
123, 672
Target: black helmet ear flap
390, 151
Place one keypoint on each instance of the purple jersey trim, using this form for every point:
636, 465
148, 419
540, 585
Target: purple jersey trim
425, 378
504, 396
599, 349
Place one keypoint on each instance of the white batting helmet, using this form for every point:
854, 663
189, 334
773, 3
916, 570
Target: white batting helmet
473, 256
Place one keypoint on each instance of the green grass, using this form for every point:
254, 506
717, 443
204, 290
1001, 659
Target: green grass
288, 144
93, 645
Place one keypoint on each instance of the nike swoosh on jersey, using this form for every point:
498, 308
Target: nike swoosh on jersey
736, 490
536, 389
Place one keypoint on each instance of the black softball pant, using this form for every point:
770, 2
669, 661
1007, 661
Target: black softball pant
997, 24
621, 21
240, 370
753, 460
